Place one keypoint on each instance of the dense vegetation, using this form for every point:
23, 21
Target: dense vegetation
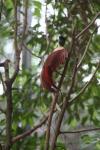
29, 30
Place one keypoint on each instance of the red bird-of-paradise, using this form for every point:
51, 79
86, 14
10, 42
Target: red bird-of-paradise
53, 61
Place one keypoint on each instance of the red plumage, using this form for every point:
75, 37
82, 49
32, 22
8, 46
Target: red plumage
57, 57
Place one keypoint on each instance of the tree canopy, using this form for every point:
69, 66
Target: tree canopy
34, 118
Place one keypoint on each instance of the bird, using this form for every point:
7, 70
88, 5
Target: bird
57, 57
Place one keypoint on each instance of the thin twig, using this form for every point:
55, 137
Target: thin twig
86, 49
84, 54
85, 86
88, 26
79, 131
26, 48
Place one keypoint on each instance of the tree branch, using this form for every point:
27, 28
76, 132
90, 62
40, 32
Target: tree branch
88, 26
73, 78
21, 136
8, 93
24, 25
85, 86
79, 131
17, 52
26, 48
25, 134
86, 49
84, 54
60, 83
65, 104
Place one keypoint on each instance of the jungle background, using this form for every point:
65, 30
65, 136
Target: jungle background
29, 31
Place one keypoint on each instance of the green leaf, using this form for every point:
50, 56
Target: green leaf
37, 12
73, 123
9, 4
37, 4
84, 119
86, 139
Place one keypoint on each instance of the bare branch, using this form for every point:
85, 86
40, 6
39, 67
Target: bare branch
79, 131
84, 54
26, 48
86, 49
88, 26
84, 88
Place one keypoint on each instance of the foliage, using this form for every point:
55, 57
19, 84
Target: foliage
30, 102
